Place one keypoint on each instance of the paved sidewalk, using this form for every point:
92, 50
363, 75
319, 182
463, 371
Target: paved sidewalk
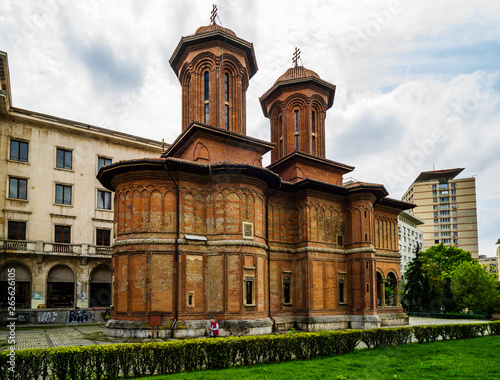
82, 335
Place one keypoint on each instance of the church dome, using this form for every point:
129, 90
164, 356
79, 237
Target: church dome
297, 72
213, 28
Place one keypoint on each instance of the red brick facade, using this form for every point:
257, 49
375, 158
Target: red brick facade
206, 230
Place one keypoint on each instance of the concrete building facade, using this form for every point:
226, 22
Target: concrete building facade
410, 236
56, 222
206, 230
447, 206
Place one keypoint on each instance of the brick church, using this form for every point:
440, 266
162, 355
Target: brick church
205, 230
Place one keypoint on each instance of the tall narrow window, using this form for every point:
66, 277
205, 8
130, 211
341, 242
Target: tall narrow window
287, 293
249, 291
226, 117
207, 95
280, 126
207, 86
313, 133
342, 288
226, 100
296, 130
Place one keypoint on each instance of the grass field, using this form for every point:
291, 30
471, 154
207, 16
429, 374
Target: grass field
477, 358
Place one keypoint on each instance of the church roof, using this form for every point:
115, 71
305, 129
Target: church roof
294, 76
211, 33
214, 27
297, 72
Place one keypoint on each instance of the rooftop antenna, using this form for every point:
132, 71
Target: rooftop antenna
213, 15
296, 57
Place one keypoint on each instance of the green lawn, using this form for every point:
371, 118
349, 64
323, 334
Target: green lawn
476, 358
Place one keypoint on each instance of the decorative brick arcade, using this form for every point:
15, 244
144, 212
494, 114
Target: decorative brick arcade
205, 230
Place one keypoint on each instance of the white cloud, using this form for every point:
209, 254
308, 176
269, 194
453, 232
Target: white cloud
404, 71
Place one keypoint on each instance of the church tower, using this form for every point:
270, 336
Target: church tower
296, 105
214, 67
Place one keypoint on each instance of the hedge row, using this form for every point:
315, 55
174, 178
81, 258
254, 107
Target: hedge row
136, 360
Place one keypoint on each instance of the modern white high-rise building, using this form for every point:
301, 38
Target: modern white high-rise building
410, 236
447, 206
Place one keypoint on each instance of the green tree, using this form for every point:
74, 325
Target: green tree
438, 263
445, 258
474, 288
415, 283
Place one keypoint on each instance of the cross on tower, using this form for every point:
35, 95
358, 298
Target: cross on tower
213, 14
296, 56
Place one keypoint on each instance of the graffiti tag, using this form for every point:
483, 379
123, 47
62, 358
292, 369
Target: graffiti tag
47, 317
78, 316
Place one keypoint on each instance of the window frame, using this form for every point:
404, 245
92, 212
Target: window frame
342, 288
19, 158
17, 223
246, 296
64, 152
97, 240
18, 179
64, 187
99, 158
65, 230
99, 200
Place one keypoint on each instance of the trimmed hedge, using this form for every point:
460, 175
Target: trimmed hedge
147, 359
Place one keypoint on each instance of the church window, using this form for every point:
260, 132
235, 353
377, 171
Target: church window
313, 132
249, 290
280, 126
226, 99
207, 95
342, 288
287, 291
296, 130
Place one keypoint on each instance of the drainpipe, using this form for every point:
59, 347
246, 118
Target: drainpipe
269, 257
176, 247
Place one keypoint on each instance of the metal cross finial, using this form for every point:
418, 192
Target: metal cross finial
296, 56
213, 14
163, 145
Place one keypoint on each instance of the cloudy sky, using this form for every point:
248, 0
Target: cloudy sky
418, 82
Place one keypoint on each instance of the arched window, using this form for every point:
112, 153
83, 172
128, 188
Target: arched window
296, 112
207, 96
100, 287
313, 132
60, 287
280, 126
226, 100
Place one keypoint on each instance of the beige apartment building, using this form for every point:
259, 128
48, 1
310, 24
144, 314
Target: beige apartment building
56, 222
447, 206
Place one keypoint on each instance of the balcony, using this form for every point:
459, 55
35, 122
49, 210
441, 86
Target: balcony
41, 247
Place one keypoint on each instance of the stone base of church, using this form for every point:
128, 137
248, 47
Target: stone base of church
328, 322
199, 328
187, 329
394, 319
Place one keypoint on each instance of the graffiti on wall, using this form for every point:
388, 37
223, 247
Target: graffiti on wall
78, 316
23, 317
47, 317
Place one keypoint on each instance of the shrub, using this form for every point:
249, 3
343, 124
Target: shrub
137, 360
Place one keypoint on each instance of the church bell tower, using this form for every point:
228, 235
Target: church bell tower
214, 67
